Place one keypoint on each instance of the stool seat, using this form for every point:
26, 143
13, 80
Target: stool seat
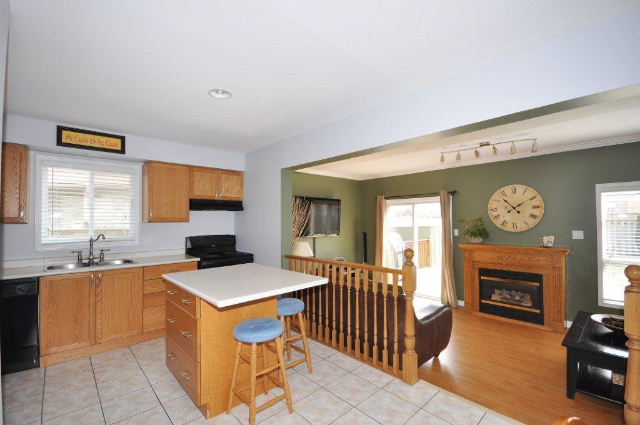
290, 306
258, 330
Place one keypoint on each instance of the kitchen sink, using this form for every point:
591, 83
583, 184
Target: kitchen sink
115, 262
71, 266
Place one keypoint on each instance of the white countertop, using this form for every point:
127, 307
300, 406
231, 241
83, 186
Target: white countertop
232, 285
40, 270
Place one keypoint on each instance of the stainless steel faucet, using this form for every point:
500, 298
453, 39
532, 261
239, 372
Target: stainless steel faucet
92, 257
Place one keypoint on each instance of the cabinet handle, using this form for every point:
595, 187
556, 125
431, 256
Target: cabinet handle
170, 320
185, 375
185, 334
21, 214
150, 212
170, 292
187, 301
170, 356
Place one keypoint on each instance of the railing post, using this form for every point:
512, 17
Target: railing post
632, 330
409, 357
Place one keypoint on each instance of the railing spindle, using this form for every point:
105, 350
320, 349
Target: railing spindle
385, 348
365, 301
356, 284
341, 291
376, 279
394, 294
348, 339
334, 329
327, 334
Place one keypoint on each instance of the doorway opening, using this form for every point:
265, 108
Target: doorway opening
416, 223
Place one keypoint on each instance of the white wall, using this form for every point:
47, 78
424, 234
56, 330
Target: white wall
597, 59
18, 240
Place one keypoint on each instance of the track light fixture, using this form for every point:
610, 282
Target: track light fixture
477, 150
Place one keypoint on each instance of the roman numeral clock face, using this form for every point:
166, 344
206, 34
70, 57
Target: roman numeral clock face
516, 208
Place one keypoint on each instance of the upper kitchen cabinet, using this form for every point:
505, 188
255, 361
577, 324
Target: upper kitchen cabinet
15, 183
165, 192
212, 183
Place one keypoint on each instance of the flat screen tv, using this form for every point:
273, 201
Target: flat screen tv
325, 217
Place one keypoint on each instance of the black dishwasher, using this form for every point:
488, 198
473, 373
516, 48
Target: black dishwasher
19, 338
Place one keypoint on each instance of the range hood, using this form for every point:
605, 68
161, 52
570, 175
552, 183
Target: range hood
214, 205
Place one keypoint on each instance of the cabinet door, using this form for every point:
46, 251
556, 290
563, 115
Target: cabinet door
204, 183
166, 192
67, 315
231, 185
15, 183
118, 303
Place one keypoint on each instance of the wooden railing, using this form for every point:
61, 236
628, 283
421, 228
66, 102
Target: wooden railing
357, 312
632, 330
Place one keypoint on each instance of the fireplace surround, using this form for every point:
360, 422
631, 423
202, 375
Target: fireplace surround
522, 284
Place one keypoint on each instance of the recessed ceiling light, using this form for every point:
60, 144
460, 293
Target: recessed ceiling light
220, 93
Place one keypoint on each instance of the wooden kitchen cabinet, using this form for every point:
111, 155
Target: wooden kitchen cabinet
213, 183
15, 183
67, 312
118, 303
165, 192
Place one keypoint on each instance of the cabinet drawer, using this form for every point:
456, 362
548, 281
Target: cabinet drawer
156, 272
153, 286
182, 298
184, 329
185, 369
153, 300
153, 318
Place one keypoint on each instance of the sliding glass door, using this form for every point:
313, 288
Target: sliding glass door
416, 223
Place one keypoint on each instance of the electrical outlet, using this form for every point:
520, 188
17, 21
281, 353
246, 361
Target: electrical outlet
455, 232
577, 234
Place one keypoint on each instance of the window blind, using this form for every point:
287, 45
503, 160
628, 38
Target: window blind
79, 200
620, 239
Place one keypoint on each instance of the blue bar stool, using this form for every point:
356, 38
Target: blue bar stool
264, 331
287, 308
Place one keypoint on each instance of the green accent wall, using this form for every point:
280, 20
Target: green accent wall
566, 182
348, 243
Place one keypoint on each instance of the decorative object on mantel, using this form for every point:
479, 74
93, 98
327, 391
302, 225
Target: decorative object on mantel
92, 140
543, 269
610, 321
493, 146
474, 229
300, 215
516, 208
547, 241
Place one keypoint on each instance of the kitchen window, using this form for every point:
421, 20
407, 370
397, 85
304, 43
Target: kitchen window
80, 198
618, 210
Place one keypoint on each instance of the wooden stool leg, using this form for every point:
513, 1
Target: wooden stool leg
252, 384
303, 332
236, 363
263, 379
283, 373
288, 344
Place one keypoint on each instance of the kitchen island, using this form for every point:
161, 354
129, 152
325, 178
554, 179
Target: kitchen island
203, 307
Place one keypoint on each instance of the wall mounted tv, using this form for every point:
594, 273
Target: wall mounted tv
325, 217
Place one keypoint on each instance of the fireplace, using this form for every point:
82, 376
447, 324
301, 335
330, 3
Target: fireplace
512, 294
519, 284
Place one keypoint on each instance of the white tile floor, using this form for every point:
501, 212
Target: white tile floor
131, 385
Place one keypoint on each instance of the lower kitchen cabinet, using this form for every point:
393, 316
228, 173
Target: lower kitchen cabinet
118, 304
67, 310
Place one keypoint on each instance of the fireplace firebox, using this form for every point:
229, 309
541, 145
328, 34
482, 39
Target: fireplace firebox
512, 294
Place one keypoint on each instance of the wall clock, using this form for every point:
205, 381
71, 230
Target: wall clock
516, 208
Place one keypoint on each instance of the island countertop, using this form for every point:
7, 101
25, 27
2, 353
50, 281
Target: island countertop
232, 285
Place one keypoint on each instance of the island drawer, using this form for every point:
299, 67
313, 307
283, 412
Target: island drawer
185, 369
183, 299
156, 272
184, 329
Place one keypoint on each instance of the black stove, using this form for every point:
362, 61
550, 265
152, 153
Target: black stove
216, 251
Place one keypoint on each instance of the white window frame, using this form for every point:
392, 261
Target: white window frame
97, 164
600, 189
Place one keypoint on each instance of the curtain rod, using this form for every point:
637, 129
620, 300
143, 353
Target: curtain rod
419, 195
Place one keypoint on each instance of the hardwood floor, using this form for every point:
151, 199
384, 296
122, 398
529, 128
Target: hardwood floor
515, 370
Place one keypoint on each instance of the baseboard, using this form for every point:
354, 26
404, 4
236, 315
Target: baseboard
460, 303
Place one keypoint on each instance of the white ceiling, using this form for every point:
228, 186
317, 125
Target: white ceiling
601, 124
145, 66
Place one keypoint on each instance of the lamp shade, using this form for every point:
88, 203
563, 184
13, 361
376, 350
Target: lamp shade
303, 249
